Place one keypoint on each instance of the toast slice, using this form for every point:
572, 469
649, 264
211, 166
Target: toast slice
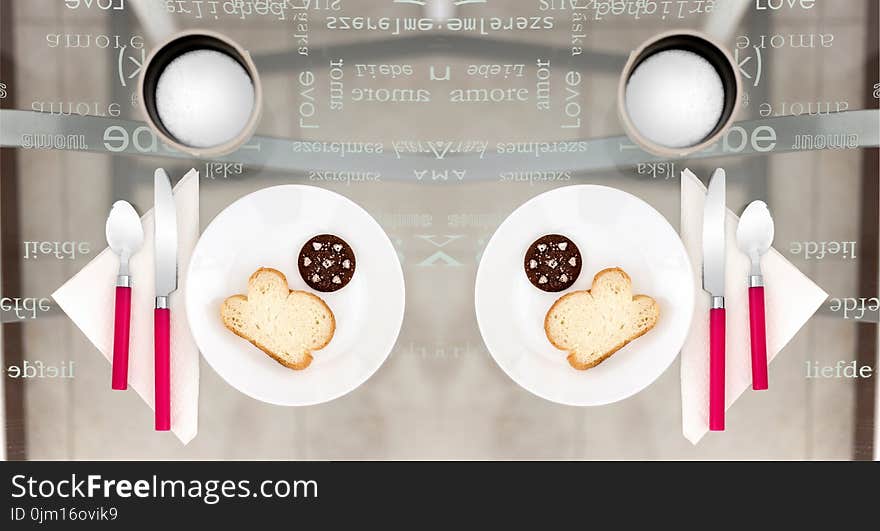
285, 324
594, 324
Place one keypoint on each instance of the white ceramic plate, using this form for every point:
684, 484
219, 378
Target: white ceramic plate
612, 229
267, 229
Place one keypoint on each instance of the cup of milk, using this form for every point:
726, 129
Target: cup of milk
678, 93
201, 93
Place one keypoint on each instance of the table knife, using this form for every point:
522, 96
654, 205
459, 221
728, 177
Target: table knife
714, 215
166, 283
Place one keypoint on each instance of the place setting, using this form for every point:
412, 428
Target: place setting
294, 294
586, 294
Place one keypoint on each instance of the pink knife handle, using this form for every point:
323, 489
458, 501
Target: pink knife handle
163, 368
120, 338
716, 369
759, 338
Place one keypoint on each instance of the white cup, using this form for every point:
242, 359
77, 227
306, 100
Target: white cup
174, 47
705, 47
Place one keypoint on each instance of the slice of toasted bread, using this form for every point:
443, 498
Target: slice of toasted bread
594, 324
285, 324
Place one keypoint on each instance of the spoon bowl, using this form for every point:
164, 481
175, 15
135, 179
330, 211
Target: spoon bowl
125, 234
755, 232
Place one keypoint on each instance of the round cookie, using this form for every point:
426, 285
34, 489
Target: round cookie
553, 263
326, 263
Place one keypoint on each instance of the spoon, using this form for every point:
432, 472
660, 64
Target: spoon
754, 236
125, 236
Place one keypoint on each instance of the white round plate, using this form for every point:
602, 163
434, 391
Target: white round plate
267, 229
612, 229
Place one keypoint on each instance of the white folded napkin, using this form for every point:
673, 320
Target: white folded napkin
89, 300
790, 299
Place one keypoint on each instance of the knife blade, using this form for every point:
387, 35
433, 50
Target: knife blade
714, 256
165, 215
165, 242
714, 234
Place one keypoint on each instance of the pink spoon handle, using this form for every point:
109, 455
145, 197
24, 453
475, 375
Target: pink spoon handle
163, 368
759, 339
716, 369
120, 338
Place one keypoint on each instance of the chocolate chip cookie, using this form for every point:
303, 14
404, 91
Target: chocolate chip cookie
326, 263
553, 263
